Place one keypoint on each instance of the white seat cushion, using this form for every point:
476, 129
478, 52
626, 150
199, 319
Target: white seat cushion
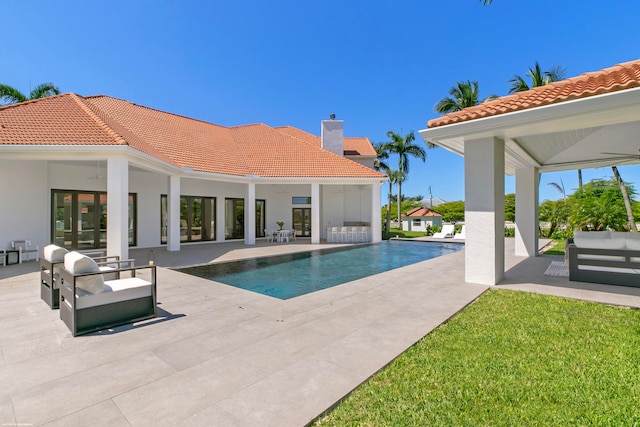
115, 291
598, 240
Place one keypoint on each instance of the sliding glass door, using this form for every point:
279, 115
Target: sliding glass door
197, 218
79, 219
234, 218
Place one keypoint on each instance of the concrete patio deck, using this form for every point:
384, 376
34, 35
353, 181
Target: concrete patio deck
217, 355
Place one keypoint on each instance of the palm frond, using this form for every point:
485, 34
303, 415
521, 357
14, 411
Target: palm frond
9, 95
556, 73
518, 84
43, 90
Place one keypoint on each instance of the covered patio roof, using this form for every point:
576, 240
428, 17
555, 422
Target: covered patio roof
592, 120
588, 121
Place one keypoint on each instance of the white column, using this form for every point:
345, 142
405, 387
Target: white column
484, 210
220, 219
527, 184
250, 214
173, 212
315, 214
118, 207
376, 214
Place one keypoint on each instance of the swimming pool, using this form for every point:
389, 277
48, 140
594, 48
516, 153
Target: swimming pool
292, 275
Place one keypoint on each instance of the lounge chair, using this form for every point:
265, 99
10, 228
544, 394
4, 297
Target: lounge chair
89, 303
53, 259
447, 231
460, 235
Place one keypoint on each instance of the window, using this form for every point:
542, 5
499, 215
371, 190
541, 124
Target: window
301, 200
79, 219
417, 222
197, 218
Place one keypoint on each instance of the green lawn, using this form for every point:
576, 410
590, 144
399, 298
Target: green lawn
510, 359
557, 248
396, 232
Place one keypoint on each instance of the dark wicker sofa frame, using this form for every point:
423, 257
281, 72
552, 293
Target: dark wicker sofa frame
615, 259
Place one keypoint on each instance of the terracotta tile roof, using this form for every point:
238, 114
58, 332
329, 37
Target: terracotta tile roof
422, 211
619, 77
101, 120
272, 153
353, 146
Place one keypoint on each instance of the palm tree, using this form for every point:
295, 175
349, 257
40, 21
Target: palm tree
625, 197
462, 95
485, 2
395, 177
404, 147
538, 78
380, 165
9, 95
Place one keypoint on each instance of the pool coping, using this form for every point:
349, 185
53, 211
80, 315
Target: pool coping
317, 250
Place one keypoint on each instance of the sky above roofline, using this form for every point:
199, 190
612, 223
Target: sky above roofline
377, 65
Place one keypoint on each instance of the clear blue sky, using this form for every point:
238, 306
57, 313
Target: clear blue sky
378, 65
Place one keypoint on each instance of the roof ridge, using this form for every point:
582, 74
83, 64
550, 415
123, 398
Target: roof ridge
31, 101
279, 130
155, 109
107, 129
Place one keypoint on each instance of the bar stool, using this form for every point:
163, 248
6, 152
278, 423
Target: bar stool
363, 234
334, 234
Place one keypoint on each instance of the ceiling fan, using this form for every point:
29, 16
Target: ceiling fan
97, 175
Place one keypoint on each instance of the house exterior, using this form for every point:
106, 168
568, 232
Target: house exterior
588, 121
419, 219
94, 172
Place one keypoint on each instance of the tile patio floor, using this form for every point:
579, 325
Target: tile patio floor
221, 356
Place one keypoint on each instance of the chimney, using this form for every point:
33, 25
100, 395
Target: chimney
332, 135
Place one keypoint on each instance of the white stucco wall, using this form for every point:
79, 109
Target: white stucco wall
24, 211
27, 186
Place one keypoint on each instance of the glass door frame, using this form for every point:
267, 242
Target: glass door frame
302, 229
66, 228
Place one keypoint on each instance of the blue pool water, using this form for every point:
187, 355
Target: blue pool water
292, 275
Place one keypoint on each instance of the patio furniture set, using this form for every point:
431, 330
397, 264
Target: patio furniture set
280, 236
94, 291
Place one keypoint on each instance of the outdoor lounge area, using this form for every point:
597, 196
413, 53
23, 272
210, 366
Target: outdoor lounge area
218, 355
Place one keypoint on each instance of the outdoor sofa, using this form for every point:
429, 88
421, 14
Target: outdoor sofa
606, 257
89, 303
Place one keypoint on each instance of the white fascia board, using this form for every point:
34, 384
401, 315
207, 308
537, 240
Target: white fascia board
600, 110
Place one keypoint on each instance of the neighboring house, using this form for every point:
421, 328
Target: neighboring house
419, 219
96, 171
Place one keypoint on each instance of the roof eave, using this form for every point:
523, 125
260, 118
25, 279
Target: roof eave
611, 108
